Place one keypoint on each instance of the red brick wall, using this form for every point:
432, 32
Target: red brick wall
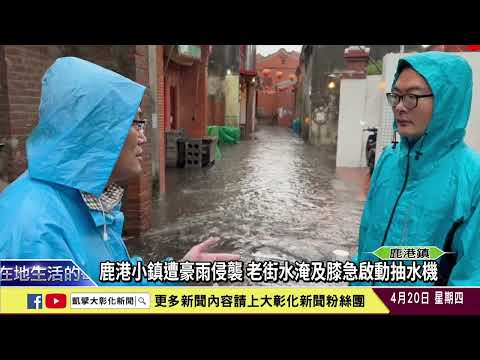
181, 77
273, 62
356, 62
267, 101
4, 121
192, 98
186, 99
98, 54
25, 66
173, 80
287, 99
216, 111
161, 101
22, 68
138, 207
449, 48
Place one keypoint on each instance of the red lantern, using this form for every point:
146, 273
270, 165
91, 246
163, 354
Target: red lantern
266, 72
292, 77
279, 74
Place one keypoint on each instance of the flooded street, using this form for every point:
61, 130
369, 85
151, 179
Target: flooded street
274, 197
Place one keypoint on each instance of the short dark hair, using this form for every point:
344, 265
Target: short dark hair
402, 65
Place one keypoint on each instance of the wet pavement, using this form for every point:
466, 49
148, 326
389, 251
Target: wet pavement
274, 197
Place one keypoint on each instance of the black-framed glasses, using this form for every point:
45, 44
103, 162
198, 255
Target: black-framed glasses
409, 100
140, 125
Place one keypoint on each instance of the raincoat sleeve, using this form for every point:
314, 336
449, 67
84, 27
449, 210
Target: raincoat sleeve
45, 241
367, 210
466, 244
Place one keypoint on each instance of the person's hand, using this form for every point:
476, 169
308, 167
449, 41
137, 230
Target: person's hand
199, 252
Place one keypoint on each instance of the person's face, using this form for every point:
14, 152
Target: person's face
412, 121
129, 163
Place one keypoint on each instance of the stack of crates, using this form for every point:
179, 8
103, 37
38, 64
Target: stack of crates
200, 152
193, 153
175, 139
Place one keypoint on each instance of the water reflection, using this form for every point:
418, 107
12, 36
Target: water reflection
270, 198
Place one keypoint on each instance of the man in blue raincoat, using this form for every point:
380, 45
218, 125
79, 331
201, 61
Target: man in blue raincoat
425, 190
88, 140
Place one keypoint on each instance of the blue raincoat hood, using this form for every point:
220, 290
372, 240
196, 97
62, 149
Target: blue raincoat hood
427, 193
450, 78
84, 117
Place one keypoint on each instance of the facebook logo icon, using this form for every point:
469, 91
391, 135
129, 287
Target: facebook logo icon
34, 301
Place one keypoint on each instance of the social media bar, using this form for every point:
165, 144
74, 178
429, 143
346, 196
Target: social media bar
97, 300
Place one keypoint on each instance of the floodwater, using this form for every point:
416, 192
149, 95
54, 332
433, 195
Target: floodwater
274, 197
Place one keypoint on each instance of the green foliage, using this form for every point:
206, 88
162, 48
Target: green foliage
374, 70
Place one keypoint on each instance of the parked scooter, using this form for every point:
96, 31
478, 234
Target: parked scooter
370, 148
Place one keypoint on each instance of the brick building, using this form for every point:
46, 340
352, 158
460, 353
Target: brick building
21, 71
186, 90
278, 78
183, 85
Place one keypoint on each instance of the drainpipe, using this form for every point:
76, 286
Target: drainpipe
152, 70
166, 117
199, 66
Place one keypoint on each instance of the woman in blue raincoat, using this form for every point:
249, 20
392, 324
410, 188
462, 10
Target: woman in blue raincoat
425, 190
88, 139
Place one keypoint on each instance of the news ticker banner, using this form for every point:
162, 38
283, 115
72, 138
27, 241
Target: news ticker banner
240, 300
35, 286
190, 300
113, 273
38, 272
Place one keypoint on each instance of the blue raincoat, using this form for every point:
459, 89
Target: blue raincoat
85, 115
428, 194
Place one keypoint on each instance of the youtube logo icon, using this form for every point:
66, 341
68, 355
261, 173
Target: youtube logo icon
56, 301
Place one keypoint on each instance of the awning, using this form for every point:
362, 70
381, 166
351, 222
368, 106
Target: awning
184, 54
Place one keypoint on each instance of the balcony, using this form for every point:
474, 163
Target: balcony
184, 54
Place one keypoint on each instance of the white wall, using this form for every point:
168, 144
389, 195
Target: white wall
359, 108
374, 102
385, 132
232, 100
